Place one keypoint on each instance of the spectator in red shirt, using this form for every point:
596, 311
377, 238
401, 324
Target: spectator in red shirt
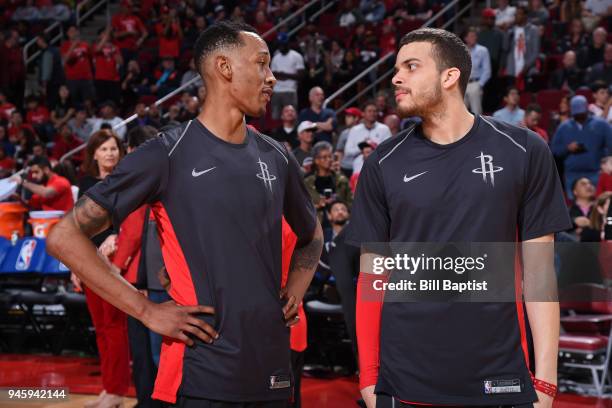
169, 34
7, 164
64, 142
16, 124
6, 108
605, 177
76, 56
50, 191
128, 31
12, 69
533, 113
388, 39
107, 60
36, 115
39, 118
262, 25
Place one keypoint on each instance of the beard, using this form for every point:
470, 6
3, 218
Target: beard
421, 104
341, 221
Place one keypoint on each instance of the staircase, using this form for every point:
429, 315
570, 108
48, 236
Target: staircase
90, 28
89, 32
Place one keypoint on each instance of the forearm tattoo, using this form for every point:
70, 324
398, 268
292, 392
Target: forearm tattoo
90, 217
307, 257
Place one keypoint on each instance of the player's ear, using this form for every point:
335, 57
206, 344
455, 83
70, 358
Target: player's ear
223, 66
450, 77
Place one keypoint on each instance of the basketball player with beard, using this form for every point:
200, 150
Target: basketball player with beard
454, 178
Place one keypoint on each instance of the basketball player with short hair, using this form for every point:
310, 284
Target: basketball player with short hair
454, 178
218, 191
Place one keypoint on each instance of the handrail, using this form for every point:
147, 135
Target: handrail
357, 78
312, 18
134, 116
79, 9
28, 59
289, 18
389, 72
365, 90
385, 57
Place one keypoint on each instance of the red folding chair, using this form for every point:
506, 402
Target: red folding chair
586, 343
549, 99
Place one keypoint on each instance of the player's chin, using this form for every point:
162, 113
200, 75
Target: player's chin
405, 110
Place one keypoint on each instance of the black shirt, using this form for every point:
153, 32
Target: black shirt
324, 183
218, 208
300, 155
281, 135
414, 190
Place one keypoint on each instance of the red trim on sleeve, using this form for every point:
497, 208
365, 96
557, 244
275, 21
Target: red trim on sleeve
299, 332
368, 309
170, 372
129, 240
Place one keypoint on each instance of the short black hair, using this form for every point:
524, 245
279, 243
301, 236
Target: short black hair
597, 85
448, 50
139, 135
40, 161
533, 107
510, 89
337, 201
222, 34
577, 180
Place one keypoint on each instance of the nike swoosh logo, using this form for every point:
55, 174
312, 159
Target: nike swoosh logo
407, 179
195, 173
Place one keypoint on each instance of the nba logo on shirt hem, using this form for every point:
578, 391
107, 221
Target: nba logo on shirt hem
503, 386
279, 381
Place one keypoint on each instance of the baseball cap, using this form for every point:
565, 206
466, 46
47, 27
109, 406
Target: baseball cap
282, 38
367, 143
306, 125
488, 12
578, 105
353, 111
307, 162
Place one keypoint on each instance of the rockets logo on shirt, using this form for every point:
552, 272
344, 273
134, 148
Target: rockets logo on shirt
487, 168
265, 175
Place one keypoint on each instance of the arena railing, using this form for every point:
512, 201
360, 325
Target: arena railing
84, 9
134, 116
27, 58
386, 57
324, 5
82, 12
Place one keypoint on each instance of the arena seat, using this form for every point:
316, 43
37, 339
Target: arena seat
77, 322
526, 99
587, 93
587, 342
549, 99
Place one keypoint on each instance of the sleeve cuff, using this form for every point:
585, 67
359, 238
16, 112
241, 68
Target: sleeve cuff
367, 379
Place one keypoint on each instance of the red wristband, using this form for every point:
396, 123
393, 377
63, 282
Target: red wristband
544, 387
